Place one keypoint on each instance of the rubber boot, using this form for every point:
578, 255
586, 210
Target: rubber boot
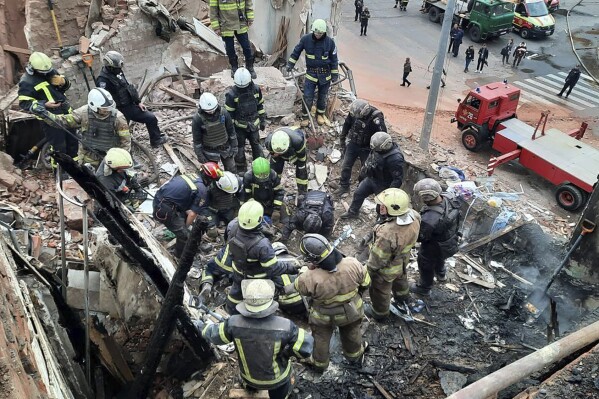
249, 64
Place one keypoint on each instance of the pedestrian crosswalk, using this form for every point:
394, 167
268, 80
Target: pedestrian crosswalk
543, 90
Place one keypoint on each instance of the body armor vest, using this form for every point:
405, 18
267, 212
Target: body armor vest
122, 96
358, 133
263, 191
375, 164
216, 134
247, 106
314, 201
240, 249
220, 200
101, 133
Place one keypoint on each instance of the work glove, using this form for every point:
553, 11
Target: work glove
205, 292
262, 125
200, 153
289, 289
199, 324
38, 108
289, 68
58, 80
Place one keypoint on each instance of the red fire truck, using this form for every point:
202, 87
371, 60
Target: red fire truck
488, 114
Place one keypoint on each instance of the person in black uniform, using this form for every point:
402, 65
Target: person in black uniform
223, 202
114, 176
126, 96
364, 17
262, 184
571, 81
289, 145
315, 214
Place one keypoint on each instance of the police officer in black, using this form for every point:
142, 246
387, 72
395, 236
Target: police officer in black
314, 215
383, 169
126, 96
361, 123
245, 104
42, 85
177, 203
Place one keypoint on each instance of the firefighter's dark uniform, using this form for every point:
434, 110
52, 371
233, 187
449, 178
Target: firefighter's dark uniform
174, 199
246, 107
381, 171
322, 68
296, 155
315, 202
269, 193
355, 137
264, 346
336, 302
127, 101
221, 206
214, 138
37, 88
291, 302
388, 260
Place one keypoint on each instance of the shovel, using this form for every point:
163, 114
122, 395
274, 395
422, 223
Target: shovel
538, 300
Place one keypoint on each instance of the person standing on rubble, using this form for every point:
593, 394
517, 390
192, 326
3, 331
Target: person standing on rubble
42, 85
439, 234
230, 20
214, 137
262, 184
395, 234
264, 342
322, 67
383, 169
361, 123
223, 202
245, 104
127, 98
101, 125
335, 283
289, 144
113, 174
315, 214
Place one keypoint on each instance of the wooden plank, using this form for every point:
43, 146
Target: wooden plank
174, 157
17, 50
190, 157
480, 268
407, 337
487, 239
474, 280
380, 388
177, 94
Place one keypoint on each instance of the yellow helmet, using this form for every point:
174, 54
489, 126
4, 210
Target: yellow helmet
250, 215
319, 26
395, 200
118, 158
40, 62
279, 142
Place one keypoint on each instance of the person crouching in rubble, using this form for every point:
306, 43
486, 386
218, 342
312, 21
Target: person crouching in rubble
223, 202
181, 199
395, 234
262, 184
102, 127
439, 234
264, 342
315, 214
335, 283
113, 174
289, 144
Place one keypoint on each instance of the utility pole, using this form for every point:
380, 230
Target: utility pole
431, 104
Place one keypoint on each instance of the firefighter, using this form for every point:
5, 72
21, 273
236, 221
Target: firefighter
178, 202
439, 234
264, 342
321, 66
335, 283
395, 234
315, 214
252, 253
42, 85
214, 137
102, 127
383, 169
126, 96
262, 184
230, 19
245, 104
113, 174
361, 123
291, 303
223, 202
286, 144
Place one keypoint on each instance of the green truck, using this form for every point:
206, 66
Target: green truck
480, 19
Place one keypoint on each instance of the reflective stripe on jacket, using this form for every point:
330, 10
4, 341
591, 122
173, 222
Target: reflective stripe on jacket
225, 15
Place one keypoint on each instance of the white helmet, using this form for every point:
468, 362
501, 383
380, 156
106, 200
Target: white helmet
279, 248
229, 183
98, 99
208, 102
242, 77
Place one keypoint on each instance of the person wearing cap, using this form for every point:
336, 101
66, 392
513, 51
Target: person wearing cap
263, 341
114, 174
335, 283
315, 214
289, 145
395, 234
439, 234
321, 66
223, 202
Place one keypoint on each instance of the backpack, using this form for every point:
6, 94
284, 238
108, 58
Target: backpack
450, 223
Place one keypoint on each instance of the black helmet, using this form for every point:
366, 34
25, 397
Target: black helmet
312, 223
315, 248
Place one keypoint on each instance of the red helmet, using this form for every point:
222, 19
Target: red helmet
212, 170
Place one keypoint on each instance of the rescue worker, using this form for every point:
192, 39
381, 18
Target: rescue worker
102, 127
245, 104
230, 19
361, 123
214, 138
252, 253
335, 283
395, 234
112, 78
42, 85
264, 342
439, 233
262, 184
293, 302
113, 174
383, 169
222, 203
286, 144
321, 66
315, 214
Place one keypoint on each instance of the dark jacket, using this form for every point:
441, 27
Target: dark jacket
573, 76
117, 183
263, 346
359, 4
37, 87
469, 53
520, 51
364, 17
360, 130
187, 192
321, 57
269, 192
246, 106
199, 131
483, 53
458, 37
315, 202
437, 224
123, 92
386, 169
407, 67
297, 146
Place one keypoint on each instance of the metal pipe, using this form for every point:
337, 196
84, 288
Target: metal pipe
522, 368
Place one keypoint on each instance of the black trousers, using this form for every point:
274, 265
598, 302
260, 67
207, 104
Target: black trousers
367, 186
480, 64
430, 262
358, 12
405, 78
568, 86
363, 28
253, 136
456, 48
133, 113
61, 141
173, 219
352, 152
